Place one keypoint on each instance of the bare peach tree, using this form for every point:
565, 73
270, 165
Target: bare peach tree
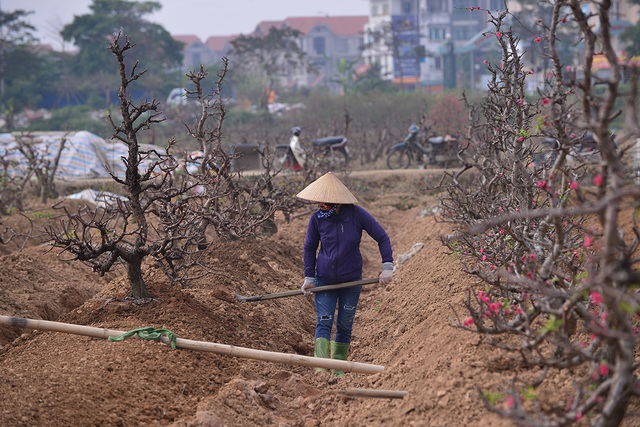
234, 203
152, 219
42, 165
545, 217
28, 162
11, 183
166, 208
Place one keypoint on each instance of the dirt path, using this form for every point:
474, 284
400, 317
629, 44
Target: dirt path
59, 379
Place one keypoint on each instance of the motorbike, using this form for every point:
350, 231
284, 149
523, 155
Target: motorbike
434, 150
584, 149
330, 153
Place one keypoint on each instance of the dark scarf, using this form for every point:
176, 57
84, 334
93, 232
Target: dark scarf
327, 214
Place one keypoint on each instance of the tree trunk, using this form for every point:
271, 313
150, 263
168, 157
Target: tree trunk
136, 281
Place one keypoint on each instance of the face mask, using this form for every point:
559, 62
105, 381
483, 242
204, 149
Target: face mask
327, 214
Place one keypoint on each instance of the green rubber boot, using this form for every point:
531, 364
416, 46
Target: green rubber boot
321, 349
339, 350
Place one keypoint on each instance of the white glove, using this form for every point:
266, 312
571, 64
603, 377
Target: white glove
309, 282
385, 277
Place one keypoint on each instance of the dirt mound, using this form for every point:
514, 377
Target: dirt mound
58, 379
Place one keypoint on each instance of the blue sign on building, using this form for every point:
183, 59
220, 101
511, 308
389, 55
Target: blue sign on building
405, 36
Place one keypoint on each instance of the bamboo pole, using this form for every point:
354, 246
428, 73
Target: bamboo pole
228, 350
368, 392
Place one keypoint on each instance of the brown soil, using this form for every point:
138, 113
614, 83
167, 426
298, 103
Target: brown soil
58, 379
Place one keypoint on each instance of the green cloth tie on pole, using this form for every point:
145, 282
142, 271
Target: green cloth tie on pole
148, 333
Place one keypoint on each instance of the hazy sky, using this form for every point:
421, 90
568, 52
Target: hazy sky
203, 18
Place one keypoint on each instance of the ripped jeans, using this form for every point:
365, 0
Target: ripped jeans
347, 302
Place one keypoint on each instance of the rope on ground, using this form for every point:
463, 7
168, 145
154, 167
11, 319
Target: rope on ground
148, 333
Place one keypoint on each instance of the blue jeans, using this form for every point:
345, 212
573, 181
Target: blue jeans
347, 302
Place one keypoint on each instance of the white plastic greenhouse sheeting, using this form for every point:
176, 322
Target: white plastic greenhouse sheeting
85, 154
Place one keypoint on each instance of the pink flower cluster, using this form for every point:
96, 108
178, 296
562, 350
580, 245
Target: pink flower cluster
596, 298
603, 371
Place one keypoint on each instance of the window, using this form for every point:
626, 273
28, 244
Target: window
437, 6
496, 4
407, 7
615, 10
436, 33
341, 45
464, 33
319, 45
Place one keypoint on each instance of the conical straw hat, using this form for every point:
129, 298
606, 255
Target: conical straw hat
328, 189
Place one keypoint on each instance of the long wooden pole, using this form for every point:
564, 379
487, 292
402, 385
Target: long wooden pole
325, 288
229, 350
368, 392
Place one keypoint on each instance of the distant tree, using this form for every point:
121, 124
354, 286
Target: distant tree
371, 81
632, 36
274, 54
447, 116
18, 63
92, 32
345, 74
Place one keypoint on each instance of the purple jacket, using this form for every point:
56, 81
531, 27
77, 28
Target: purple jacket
339, 259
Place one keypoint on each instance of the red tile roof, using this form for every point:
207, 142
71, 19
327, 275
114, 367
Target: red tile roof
263, 27
187, 39
219, 43
340, 25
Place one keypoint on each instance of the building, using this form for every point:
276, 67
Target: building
327, 42
410, 39
432, 45
426, 45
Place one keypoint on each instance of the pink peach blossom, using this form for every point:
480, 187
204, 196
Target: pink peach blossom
596, 298
588, 241
603, 370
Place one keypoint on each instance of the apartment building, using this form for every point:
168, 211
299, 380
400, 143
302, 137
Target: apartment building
426, 45
431, 45
326, 40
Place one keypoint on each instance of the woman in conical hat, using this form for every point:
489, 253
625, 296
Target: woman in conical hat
337, 229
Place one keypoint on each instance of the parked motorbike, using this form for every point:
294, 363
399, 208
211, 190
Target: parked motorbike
330, 153
584, 149
438, 151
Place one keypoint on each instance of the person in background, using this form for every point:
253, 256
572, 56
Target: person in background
337, 228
